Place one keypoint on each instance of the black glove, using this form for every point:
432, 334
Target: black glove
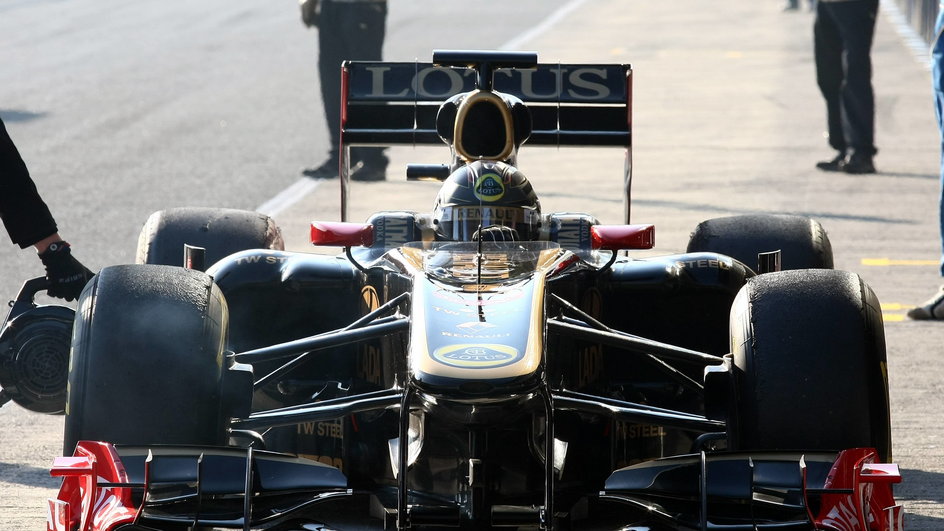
66, 275
309, 12
496, 233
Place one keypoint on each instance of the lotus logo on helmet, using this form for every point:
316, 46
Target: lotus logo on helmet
489, 187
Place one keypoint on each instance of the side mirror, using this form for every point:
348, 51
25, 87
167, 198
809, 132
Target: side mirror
341, 234
619, 237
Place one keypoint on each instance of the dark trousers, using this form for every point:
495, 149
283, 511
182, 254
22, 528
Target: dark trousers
842, 38
348, 31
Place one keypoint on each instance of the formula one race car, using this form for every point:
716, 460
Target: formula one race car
485, 365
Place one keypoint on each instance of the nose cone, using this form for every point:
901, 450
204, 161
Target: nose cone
476, 339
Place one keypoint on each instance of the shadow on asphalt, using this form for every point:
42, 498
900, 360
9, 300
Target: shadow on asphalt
569, 195
682, 205
907, 175
12, 115
920, 487
29, 476
931, 486
918, 522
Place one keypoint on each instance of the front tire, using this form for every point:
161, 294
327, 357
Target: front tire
147, 359
810, 371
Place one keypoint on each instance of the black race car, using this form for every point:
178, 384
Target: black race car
484, 365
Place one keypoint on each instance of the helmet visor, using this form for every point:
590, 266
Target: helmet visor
460, 223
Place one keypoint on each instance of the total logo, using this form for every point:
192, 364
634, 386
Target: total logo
479, 356
489, 187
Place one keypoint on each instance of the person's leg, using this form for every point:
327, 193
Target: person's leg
368, 163
333, 48
938, 113
827, 48
367, 24
933, 308
937, 84
856, 22
348, 31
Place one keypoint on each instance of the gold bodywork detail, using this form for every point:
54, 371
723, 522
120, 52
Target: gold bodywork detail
480, 96
421, 359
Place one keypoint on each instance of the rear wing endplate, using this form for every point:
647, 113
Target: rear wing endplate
388, 104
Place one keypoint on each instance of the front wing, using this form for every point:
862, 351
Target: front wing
104, 488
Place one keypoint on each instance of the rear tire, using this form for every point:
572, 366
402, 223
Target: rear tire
802, 241
221, 231
147, 361
809, 355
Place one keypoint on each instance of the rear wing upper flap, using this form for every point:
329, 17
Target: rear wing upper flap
571, 104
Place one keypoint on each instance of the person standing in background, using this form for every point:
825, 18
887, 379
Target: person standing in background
29, 223
347, 30
842, 43
933, 308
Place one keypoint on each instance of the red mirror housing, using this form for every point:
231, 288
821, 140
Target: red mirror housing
618, 237
341, 234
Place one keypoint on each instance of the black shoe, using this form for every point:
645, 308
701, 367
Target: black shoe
328, 170
368, 172
857, 164
831, 165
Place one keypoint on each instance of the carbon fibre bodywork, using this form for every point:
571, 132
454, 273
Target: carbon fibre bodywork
690, 293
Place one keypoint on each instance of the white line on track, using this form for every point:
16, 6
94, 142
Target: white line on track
288, 197
304, 186
545, 25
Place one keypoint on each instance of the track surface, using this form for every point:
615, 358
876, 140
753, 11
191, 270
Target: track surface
122, 108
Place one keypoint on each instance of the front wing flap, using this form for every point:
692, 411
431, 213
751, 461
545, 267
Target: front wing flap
186, 485
762, 491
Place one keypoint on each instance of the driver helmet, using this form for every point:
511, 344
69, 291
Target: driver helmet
487, 200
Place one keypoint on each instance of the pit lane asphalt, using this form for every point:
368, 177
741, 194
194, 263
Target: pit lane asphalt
727, 120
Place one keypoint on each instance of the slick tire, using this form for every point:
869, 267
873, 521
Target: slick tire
221, 231
147, 359
809, 357
802, 241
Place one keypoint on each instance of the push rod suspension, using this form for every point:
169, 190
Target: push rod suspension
335, 338
319, 411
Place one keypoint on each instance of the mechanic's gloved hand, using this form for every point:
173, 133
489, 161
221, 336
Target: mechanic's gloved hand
309, 12
66, 275
496, 233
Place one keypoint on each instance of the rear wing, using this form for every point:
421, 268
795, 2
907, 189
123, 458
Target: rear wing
388, 104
